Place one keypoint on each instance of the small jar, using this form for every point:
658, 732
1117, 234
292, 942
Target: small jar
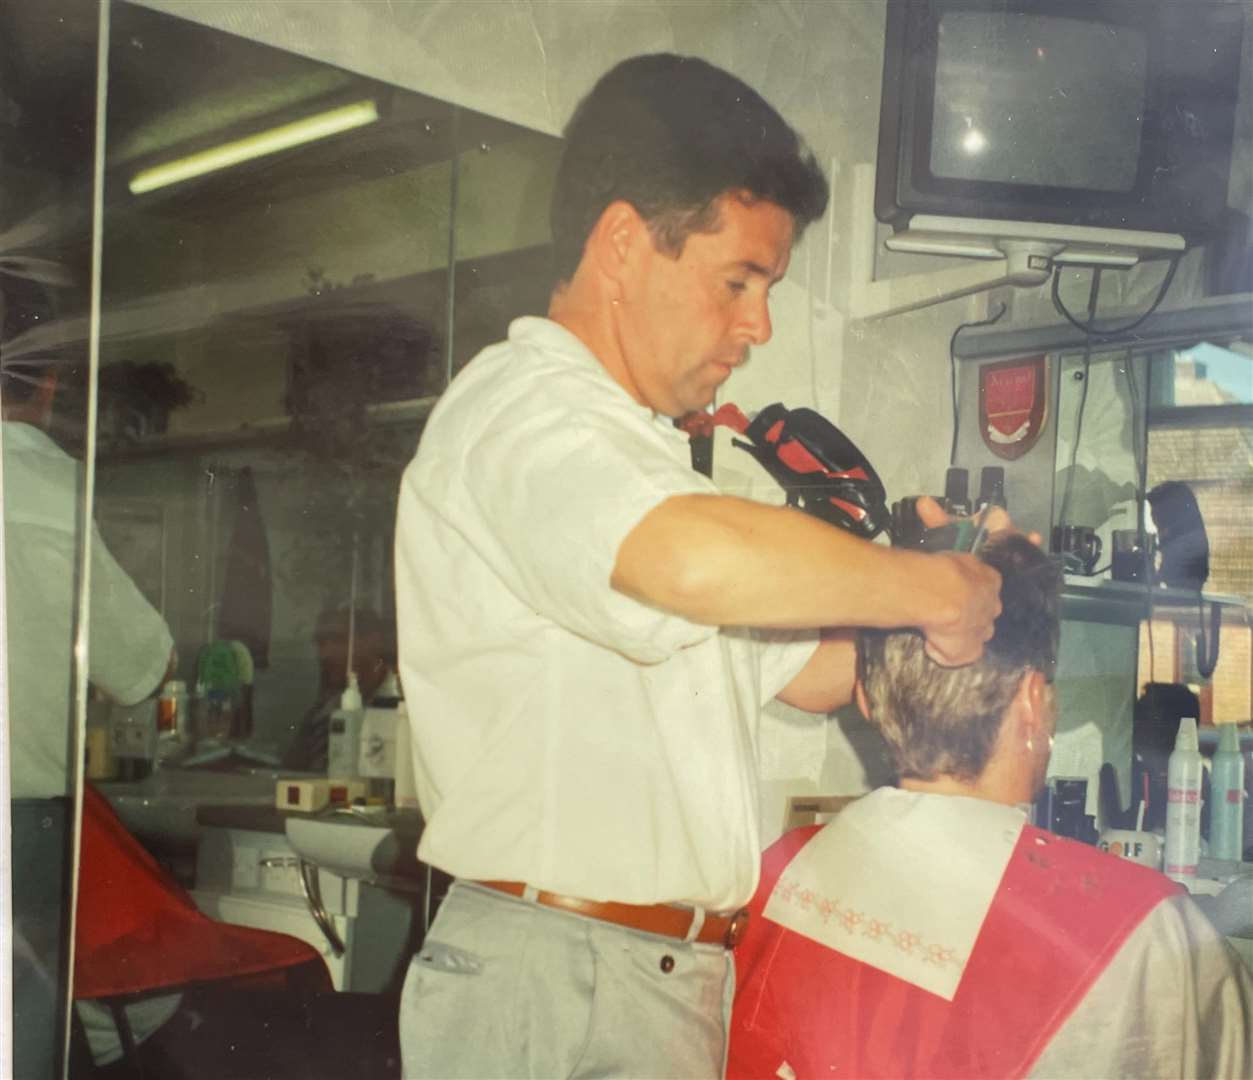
172, 709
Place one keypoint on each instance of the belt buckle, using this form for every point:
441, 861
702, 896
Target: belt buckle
736, 929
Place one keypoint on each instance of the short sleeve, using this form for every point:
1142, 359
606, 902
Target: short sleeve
784, 653
549, 495
129, 644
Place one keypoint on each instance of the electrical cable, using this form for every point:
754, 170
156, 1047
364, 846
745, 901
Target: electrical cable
1152, 650
310, 885
1093, 292
952, 370
1089, 328
1206, 646
1139, 440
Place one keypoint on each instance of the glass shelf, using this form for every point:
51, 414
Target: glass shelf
1127, 603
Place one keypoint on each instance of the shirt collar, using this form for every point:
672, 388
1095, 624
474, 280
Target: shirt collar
23, 436
555, 339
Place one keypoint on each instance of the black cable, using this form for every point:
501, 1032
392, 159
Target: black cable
1207, 648
952, 370
1089, 327
1139, 450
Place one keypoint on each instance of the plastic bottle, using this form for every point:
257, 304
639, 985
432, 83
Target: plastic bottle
173, 728
1226, 830
350, 699
343, 746
1183, 805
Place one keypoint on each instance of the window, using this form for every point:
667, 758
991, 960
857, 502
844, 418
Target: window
1200, 432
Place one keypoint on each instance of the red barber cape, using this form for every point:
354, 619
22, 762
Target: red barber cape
137, 930
1061, 913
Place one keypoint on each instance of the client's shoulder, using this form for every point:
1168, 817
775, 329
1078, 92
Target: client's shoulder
1081, 869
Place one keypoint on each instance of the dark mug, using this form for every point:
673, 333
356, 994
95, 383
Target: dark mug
1132, 557
1079, 546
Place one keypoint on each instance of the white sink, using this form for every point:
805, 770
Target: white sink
371, 847
164, 803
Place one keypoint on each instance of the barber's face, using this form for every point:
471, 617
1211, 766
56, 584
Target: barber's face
683, 324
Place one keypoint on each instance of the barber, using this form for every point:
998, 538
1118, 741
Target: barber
587, 629
129, 651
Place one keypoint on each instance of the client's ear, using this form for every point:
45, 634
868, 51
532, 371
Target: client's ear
1033, 706
859, 695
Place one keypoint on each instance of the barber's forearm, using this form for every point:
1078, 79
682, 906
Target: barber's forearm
725, 561
826, 682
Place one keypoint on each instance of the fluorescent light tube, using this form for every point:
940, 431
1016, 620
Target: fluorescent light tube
271, 141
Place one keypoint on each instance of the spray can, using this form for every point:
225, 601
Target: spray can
1226, 828
1183, 805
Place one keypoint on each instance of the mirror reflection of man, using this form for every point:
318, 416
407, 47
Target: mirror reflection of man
129, 652
588, 629
373, 651
929, 931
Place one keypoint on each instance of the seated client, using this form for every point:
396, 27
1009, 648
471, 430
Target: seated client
929, 930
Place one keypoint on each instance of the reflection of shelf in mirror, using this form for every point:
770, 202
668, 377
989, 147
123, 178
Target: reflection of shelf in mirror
268, 430
1127, 603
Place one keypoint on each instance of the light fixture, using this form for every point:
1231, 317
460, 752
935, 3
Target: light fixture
270, 141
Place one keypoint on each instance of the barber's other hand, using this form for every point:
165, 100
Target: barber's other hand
973, 591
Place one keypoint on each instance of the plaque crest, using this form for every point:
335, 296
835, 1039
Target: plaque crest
1013, 404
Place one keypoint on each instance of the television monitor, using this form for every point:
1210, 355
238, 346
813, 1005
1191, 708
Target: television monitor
1077, 120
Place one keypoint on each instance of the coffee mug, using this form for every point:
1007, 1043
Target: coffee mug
1144, 848
1079, 545
1132, 555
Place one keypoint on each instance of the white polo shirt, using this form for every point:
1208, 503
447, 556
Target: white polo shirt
566, 735
128, 643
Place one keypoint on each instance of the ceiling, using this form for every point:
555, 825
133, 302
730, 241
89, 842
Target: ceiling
175, 87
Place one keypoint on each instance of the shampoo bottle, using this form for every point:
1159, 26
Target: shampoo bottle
1226, 830
1183, 805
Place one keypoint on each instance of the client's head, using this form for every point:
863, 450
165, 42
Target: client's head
983, 729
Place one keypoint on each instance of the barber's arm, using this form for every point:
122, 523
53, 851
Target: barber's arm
825, 683
130, 649
726, 561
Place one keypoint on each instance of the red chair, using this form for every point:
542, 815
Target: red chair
138, 933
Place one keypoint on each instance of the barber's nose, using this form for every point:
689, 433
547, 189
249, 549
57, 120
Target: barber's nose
757, 325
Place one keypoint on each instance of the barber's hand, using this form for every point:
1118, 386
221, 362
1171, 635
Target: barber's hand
933, 515
975, 591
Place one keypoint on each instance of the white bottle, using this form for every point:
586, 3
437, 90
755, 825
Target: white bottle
1183, 805
343, 738
1226, 821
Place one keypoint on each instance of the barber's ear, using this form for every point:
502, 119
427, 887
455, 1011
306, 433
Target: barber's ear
614, 239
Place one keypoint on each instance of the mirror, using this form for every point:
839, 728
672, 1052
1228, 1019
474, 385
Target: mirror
274, 330
47, 63
1175, 410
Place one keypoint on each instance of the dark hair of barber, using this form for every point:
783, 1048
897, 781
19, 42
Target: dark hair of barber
670, 134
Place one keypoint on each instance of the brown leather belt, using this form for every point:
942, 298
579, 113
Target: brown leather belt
667, 920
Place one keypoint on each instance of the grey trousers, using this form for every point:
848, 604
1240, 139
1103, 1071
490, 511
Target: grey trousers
505, 988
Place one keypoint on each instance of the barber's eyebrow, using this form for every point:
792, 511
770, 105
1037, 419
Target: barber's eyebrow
750, 267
